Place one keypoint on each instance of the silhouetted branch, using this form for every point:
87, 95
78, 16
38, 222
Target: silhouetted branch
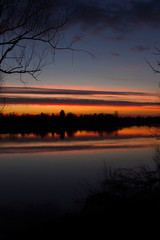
24, 24
157, 53
151, 66
124, 182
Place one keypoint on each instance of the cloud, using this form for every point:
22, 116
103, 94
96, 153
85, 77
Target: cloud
115, 54
140, 48
77, 102
46, 91
42, 96
120, 16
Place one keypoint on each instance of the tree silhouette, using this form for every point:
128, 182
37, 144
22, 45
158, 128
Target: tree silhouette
62, 114
30, 30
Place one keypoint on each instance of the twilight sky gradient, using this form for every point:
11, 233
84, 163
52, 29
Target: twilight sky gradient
120, 34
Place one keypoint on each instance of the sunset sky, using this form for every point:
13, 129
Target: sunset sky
121, 36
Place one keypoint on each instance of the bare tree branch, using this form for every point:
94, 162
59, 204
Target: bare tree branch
28, 27
151, 66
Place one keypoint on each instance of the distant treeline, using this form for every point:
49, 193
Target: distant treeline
43, 123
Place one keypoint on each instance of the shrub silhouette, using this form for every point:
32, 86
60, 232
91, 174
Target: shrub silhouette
128, 197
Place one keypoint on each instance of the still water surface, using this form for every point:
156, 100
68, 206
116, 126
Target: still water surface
52, 172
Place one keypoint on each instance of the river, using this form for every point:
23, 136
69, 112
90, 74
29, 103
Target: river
53, 174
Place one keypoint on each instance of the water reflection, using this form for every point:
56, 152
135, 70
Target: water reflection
80, 133
41, 177
134, 137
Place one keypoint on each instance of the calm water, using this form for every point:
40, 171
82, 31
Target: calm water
51, 173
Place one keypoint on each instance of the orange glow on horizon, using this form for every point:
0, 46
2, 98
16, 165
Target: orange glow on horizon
79, 109
25, 101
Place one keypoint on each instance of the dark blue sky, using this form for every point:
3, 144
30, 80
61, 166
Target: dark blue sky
120, 35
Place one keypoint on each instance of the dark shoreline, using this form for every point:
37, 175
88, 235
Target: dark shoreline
70, 123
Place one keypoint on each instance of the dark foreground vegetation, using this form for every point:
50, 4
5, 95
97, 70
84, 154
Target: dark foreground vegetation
128, 207
44, 123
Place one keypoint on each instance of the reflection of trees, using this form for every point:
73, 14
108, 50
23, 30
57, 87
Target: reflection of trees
70, 133
62, 135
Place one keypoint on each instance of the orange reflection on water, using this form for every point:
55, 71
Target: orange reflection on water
135, 131
130, 131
